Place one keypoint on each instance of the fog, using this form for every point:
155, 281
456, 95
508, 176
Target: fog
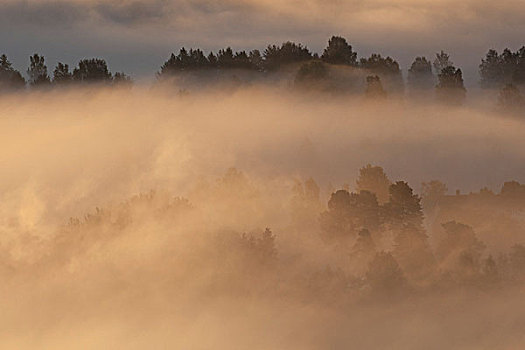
122, 216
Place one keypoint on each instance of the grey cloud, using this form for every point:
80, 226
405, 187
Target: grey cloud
134, 12
47, 14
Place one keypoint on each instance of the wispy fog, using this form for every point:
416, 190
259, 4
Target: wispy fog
147, 218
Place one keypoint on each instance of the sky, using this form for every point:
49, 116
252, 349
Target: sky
137, 36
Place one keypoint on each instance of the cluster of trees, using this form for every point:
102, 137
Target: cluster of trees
380, 226
505, 71
360, 222
315, 68
87, 71
498, 70
273, 57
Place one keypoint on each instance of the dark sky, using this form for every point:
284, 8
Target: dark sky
137, 36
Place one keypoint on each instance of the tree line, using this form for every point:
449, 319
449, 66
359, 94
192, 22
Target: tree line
92, 70
358, 223
505, 71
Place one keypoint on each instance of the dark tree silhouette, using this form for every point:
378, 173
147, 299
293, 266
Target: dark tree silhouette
364, 244
490, 70
458, 239
386, 68
37, 71
420, 77
311, 74
404, 215
498, 70
404, 207
122, 79
374, 88
10, 79
450, 88
339, 52
442, 61
384, 274
212, 60
513, 189
61, 74
225, 58
242, 61
511, 100
432, 192
336, 222
289, 52
256, 60
92, 71
380, 65
373, 179
348, 213
261, 249
305, 203
184, 61
460, 252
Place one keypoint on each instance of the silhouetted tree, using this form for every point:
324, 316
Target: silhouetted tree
404, 207
37, 71
261, 249
420, 77
212, 60
287, 53
519, 74
458, 238
499, 70
490, 70
10, 79
373, 179
92, 71
412, 251
364, 243
460, 252
386, 68
508, 62
384, 274
374, 88
122, 79
197, 60
348, 213
187, 61
256, 60
450, 88
336, 223
339, 52
380, 65
404, 215
225, 58
432, 192
61, 74
513, 189
442, 61
311, 74
242, 61
305, 203
511, 100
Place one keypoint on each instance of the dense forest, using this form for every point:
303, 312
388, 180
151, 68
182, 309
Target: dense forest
376, 237
337, 70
